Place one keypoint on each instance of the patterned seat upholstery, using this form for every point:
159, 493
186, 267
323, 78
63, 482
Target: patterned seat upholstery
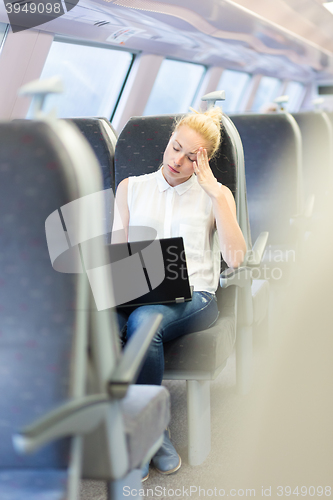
44, 327
32, 484
142, 142
274, 181
273, 176
37, 306
102, 138
139, 151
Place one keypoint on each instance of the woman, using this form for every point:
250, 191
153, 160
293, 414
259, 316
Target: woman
183, 198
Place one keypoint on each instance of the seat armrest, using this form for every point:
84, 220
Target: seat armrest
78, 416
240, 276
256, 253
133, 356
82, 415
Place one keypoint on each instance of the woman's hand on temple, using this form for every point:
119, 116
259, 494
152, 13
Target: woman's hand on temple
232, 243
204, 173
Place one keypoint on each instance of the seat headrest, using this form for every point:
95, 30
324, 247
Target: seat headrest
142, 142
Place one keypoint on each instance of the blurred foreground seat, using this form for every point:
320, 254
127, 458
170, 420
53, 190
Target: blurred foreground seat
51, 178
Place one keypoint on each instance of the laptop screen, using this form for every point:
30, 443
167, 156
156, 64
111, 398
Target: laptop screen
149, 272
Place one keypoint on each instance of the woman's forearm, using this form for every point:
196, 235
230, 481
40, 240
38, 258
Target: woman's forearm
231, 239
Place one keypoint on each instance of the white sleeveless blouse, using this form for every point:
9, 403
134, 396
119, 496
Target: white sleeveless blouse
184, 210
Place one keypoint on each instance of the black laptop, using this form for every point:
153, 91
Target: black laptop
149, 272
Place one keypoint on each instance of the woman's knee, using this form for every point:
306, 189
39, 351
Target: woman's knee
137, 318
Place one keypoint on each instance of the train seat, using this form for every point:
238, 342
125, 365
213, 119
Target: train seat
102, 138
199, 357
37, 308
317, 138
47, 323
273, 169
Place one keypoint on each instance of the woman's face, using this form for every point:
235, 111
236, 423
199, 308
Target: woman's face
180, 154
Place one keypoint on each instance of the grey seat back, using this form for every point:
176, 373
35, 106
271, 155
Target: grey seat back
141, 145
317, 137
37, 303
51, 193
139, 150
102, 138
272, 151
197, 357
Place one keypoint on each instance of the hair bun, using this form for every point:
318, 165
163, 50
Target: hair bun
207, 124
215, 113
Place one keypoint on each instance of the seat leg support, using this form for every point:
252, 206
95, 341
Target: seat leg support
198, 415
244, 351
127, 487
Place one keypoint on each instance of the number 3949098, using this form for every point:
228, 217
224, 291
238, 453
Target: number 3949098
33, 8
312, 491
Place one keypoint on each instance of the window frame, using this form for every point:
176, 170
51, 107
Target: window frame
3, 41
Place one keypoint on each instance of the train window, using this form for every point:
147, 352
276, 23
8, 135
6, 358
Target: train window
175, 87
295, 91
268, 89
3, 32
93, 78
234, 83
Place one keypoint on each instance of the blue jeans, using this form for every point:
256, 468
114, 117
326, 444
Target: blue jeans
178, 319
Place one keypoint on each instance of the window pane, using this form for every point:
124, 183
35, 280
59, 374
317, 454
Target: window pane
93, 78
174, 88
3, 28
234, 83
295, 91
268, 90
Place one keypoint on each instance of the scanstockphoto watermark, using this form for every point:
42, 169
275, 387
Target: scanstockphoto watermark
198, 492
187, 492
24, 15
273, 266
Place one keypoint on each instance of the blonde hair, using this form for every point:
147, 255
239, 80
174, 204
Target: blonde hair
207, 124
